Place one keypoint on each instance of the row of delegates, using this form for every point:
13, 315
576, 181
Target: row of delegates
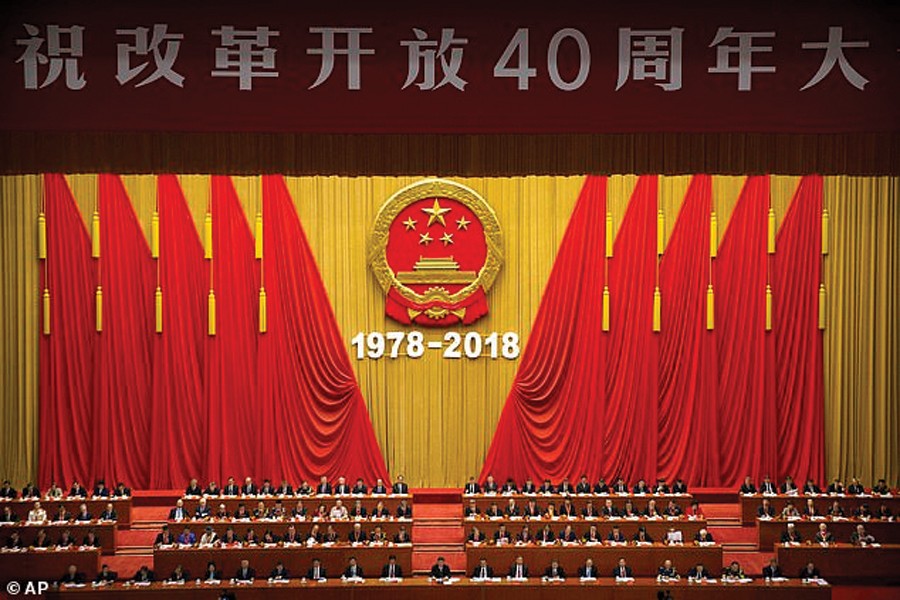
811, 488
519, 570
619, 486
42, 540
57, 492
567, 509
316, 535
278, 512
835, 511
859, 536
324, 488
38, 514
568, 535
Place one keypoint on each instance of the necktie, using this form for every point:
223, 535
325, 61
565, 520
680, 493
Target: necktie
621, 572
587, 572
316, 574
391, 574
519, 572
483, 573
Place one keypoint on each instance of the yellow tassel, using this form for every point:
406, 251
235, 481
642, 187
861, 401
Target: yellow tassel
259, 236
211, 317
207, 237
98, 308
263, 317
822, 306
713, 235
154, 235
159, 311
46, 311
660, 232
609, 235
605, 308
824, 231
657, 310
771, 231
710, 308
768, 307
95, 235
42, 236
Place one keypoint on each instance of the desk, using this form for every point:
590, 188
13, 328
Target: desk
843, 562
309, 502
122, 507
106, 531
343, 528
48, 565
657, 529
643, 560
749, 504
640, 501
769, 532
297, 559
421, 589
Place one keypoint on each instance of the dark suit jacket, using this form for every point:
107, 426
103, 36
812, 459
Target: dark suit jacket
183, 577
476, 572
439, 572
239, 574
559, 572
231, 490
770, 572
706, 573
400, 488
184, 514
109, 577
76, 578
326, 489
804, 574
216, 576
249, 489
472, 488
582, 571
512, 570
284, 574
142, 577
193, 491
617, 572
359, 571
311, 573
386, 571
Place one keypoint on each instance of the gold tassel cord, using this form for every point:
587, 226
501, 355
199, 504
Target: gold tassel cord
822, 306
713, 235
159, 309
259, 236
208, 236
98, 309
657, 310
660, 232
46, 308
95, 235
825, 231
609, 235
154, 235
263, 317
211, 316
768, 307
770, 231
42, 236
710, 308
605, 308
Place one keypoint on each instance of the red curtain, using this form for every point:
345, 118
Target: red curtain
317, 417
798, 341
177, 429
67, 354
123, 372
687, 359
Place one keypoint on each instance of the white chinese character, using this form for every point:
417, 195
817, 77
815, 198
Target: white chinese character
654, 55
58, 56
834, 54
425, 51
252, 58
744, 51
163, 61
328, 52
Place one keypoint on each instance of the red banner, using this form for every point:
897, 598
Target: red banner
754, 67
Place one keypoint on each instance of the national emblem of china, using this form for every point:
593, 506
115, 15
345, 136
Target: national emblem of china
436, 250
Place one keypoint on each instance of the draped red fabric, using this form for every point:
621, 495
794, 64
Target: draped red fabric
233, 417
798, 341
120, 423
554, 419
177, 428
748, 418
315, 415
67, 354
687, 359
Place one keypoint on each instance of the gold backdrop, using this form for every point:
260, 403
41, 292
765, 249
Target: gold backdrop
434, 418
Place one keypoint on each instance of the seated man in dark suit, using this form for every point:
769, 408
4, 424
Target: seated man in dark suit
391, 570
518, 570
212, 489
8, 491
583, 486
767, 486
790, 535
601, 487
179, 575
316, 571
747, 487
788, 487
105, 576
404, 510
284, 489
109, 514
245, 572
178, 513
471, 510
100, 490
620, 487
402, 536
400, 486
8, 516
121, 491
616, 535
231, 488
482, 571
588, 570
359, 487
379, 488
528, 487
700, 572
249, 488
440, 569
193, 488
279, 573
810, 487
353, 569
91, 540
266, 489
554, 571
13, 542
679, 487
164, 537
83, 514
881, 488
72, 576
810, 571
144, 575
30, 491
860, 538
212, 573
622, 570
510, 487
772, 570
